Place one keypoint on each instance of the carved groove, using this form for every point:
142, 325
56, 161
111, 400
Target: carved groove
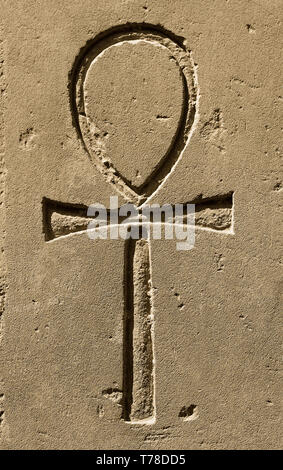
138, 386
77, 77
143, 380
128, 325
61, 219
216, 214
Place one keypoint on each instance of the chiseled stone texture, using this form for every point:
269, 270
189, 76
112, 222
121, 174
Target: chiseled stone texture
184, 109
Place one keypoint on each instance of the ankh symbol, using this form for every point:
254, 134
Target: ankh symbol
103, 137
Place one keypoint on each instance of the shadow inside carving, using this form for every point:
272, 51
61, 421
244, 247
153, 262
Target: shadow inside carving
181, 55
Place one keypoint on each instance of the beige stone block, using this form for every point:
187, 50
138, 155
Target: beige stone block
114, 344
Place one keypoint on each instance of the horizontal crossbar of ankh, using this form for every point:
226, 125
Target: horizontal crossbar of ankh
65, 219
138, 394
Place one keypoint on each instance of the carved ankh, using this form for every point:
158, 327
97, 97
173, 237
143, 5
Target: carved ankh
154, 60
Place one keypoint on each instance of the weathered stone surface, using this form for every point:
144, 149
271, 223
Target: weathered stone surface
117, 344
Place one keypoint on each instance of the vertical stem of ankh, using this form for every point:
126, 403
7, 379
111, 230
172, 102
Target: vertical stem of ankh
138, 384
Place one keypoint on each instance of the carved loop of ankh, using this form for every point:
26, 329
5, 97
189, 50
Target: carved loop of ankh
163, 89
